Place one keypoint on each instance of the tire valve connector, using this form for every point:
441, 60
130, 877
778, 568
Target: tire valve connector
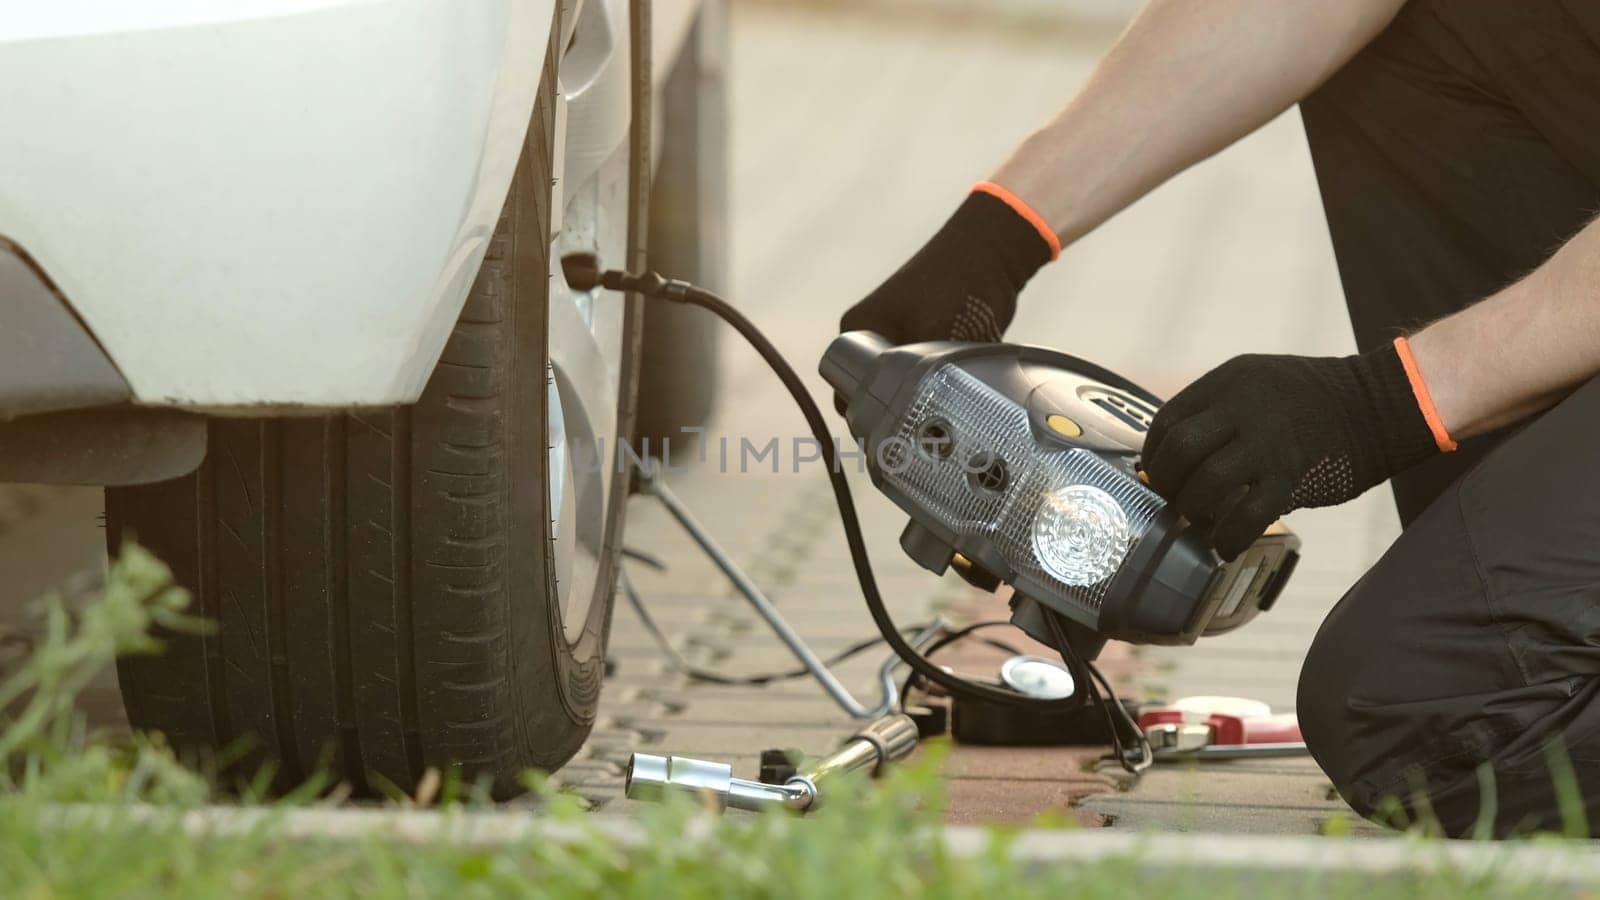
886, 740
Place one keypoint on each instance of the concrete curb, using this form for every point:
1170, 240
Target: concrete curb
1575, 864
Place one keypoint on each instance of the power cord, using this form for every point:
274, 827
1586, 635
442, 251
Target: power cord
582, 274
701, 673
1117, 716
913, 679
711, 676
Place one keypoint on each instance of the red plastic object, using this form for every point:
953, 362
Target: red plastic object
1226, 729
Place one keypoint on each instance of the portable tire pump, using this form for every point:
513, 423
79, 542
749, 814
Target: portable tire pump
1017, 465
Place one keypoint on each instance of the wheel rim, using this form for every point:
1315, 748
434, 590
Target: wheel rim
585, 350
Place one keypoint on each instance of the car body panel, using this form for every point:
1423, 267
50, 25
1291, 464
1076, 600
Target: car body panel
265, 203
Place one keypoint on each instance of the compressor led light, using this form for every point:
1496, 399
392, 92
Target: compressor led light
1081, 534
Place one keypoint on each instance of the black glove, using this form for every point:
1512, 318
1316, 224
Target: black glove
963, 284
1259, 436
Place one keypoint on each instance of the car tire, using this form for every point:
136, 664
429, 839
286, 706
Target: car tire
382, 581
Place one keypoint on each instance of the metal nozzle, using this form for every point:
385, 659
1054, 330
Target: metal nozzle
651, 777
892, 738
849, 358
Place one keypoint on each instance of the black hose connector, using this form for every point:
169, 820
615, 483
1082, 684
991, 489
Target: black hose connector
583, 273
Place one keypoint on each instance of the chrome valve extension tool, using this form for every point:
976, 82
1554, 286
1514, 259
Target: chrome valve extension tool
888, 739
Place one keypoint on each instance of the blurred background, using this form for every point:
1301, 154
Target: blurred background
857, 128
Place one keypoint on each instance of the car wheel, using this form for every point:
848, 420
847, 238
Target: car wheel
422, 587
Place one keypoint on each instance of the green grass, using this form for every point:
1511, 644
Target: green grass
872, 842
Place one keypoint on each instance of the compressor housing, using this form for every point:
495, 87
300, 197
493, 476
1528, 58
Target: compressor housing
1017, 465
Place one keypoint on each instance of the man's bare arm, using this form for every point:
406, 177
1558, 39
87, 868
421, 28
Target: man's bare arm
1186, 79
1522, 349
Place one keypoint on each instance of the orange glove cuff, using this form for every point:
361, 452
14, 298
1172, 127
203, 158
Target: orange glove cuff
1441, 436
1025, 211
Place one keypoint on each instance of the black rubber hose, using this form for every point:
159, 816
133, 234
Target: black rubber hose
582, 276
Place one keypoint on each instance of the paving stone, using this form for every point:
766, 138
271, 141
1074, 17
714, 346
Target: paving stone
992, 802
1027, 764
1284, 796
755, 712
713, 741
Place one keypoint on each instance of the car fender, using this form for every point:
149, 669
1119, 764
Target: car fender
264, 203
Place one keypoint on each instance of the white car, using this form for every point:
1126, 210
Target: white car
285, 275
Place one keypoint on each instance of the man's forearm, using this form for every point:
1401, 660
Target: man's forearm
1522, 349
1186, 79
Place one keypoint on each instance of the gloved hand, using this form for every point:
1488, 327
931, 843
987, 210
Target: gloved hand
963, 284
1261, 435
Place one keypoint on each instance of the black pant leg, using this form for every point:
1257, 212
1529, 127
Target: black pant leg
1454, 154
1475, 642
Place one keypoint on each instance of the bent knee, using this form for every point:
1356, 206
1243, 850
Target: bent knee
1351, 697
1400, 744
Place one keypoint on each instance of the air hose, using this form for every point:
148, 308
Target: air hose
582, 274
